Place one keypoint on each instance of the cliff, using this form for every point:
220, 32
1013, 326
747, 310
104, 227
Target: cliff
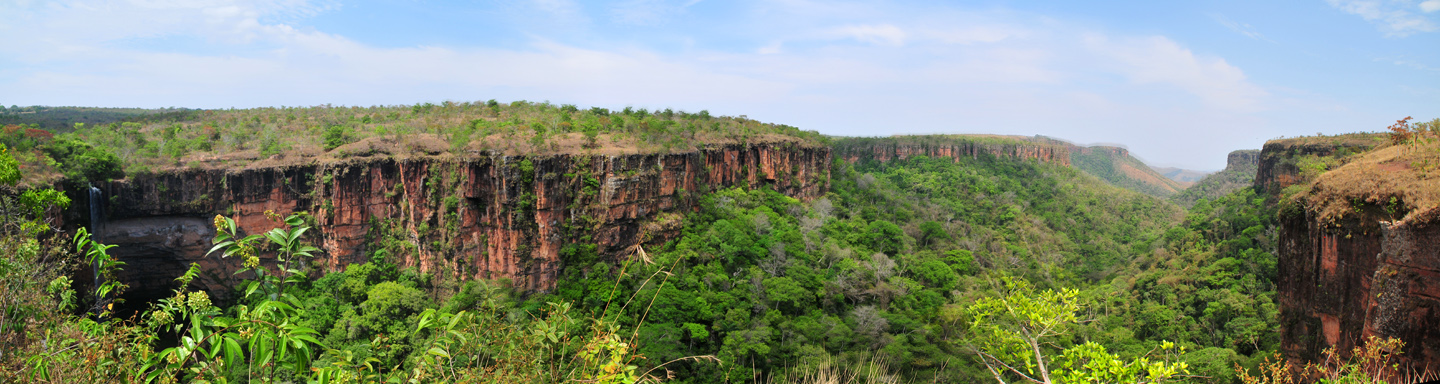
949, 146
477, 216
1296, 161
1356, 251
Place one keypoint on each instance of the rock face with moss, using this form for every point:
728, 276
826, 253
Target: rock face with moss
478, 216
1357, 255
1287, 162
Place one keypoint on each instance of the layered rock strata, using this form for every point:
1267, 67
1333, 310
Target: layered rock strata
1371, 269
470, 216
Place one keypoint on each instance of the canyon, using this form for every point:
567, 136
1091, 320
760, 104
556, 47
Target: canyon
485, 216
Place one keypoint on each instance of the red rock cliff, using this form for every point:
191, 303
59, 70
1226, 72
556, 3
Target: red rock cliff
1358, 255
1279, 163
472, 217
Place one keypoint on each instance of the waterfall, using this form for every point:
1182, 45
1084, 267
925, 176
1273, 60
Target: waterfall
97, 220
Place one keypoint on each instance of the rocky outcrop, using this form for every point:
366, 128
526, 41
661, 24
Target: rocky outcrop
1280, 160
1367, 268
1244, 159
949, 146
478, 216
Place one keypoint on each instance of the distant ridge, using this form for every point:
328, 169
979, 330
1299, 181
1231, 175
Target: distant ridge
1110, 163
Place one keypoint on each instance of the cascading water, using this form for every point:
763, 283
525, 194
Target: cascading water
97, 219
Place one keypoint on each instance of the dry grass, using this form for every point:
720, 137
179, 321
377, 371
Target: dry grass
1398, 183
1150, 177
1376, 361
874, 370
1359, 139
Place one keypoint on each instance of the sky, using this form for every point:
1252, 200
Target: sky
1180, 83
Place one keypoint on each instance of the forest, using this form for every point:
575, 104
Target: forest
921, 269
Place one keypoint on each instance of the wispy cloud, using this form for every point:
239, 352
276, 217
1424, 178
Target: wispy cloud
883, 34
1408, 63
1159, 60
1241, 28
1394, 17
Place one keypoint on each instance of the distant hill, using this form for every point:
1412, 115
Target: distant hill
63, 119
1116, 166
1239, 173
1184, 176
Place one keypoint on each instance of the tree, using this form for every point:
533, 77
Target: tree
932, 231
885, 236
81, 162
539, 138
336, 136
1013, 334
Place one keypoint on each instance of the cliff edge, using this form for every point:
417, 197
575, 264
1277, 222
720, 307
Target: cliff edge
484, 215
1357, 255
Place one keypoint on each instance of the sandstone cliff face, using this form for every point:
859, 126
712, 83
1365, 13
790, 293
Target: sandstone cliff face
470, 217
1324, 284
1279, 166
1340, 285
1374, 271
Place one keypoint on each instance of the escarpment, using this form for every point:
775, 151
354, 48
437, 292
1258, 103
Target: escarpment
476, 216
1288, 162
950, 146
1357, 254
1241, 160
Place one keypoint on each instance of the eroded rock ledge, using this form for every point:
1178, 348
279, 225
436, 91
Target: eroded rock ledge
478, 216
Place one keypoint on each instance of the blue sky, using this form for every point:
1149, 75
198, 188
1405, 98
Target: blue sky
1179, 83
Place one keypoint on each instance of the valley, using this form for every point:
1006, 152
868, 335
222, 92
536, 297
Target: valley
531, 242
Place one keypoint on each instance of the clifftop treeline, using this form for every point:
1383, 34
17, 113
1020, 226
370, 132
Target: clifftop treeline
289, 135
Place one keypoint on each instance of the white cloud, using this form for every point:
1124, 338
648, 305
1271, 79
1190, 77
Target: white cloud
1430, 6
1393, 17
1159, 60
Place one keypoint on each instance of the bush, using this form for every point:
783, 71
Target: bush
336, 136
82, 162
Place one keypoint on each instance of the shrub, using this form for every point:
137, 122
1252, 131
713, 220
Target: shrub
82, 162
336, 136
